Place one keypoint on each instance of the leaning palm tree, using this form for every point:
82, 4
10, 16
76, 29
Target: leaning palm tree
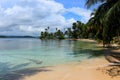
107, 16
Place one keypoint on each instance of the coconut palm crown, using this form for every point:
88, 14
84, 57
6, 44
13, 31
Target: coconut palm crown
106, 18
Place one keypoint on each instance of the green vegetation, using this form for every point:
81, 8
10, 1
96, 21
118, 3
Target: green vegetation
106, 20
75, 32
50, 35
104, 24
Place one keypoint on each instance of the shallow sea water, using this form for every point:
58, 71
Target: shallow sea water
17, 54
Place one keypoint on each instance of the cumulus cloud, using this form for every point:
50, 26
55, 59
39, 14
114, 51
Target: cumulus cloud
30, 17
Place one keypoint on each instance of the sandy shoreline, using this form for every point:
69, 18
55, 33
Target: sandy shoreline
86, 70
92, 69
85, 40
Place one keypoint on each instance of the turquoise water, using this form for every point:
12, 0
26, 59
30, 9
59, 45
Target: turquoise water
17, 54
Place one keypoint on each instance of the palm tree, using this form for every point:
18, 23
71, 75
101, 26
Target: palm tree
77, 29
68, 33
107, 18
94, 26
93, 13
60, 35
89, 3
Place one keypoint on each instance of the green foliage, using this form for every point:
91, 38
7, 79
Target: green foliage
56, 35
106, 20
77, 30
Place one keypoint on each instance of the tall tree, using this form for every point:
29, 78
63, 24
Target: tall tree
77, 29
107, 18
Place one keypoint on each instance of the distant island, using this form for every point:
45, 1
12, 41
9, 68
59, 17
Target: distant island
4, 36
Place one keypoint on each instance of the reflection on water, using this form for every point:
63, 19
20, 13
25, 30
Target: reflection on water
27, 53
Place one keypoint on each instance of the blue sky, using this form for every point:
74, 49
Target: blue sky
72, 3
30, 17
75, 3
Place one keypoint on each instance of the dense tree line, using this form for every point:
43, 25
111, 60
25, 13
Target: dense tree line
104, 24
74, 32
58, 34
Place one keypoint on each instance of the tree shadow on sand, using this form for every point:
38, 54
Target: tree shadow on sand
113, 57
11, 73
112, 71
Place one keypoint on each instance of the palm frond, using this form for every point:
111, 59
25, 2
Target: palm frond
114, 13
89, 3
113, 18
100, 14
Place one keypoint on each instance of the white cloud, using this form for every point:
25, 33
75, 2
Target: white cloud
29, 17
83, 13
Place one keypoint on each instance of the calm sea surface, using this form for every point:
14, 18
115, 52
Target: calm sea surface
17, 54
